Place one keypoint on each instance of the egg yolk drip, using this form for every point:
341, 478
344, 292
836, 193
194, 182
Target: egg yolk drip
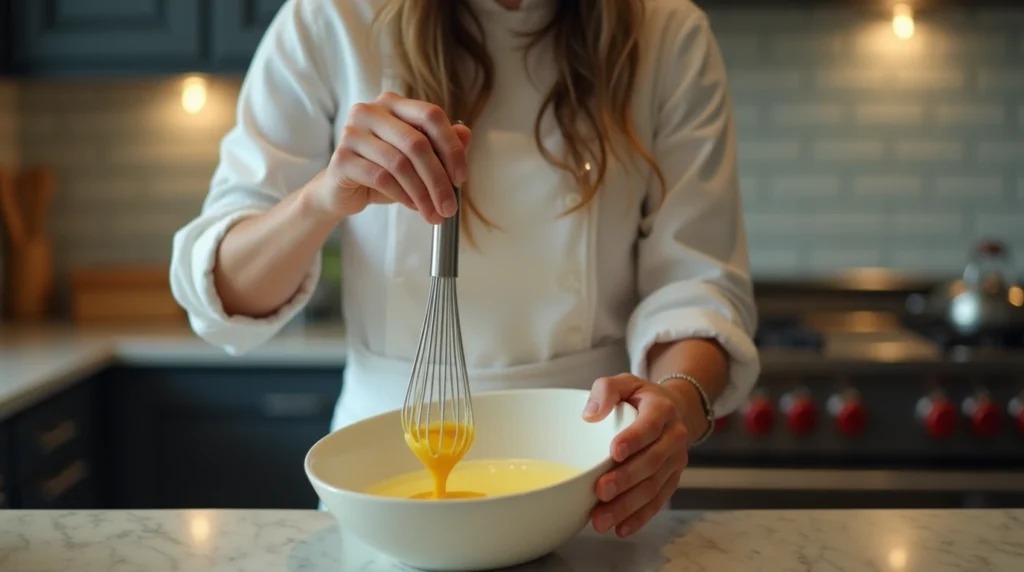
440, 449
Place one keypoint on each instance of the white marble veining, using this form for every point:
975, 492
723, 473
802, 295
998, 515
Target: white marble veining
309, 541
36, 362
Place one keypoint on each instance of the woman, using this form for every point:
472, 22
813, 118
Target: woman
603, 238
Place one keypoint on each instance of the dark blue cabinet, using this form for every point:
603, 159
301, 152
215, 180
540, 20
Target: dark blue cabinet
48, 454
237, 27
213, 437
130, 37
95, 36
5, 467
5, 36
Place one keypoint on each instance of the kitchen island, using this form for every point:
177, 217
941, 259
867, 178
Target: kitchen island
310, 541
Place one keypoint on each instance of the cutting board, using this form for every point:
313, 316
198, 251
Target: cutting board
123, 294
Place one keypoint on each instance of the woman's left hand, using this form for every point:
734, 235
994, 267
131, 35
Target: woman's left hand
651, 452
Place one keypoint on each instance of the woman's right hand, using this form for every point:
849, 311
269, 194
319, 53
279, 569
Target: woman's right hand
395, 150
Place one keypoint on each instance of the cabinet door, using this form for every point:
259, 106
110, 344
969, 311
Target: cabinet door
6, 478
215, 438
238, 26
90, 36
5, 36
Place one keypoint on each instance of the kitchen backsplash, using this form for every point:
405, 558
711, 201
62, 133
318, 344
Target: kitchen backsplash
857, 149
9, 144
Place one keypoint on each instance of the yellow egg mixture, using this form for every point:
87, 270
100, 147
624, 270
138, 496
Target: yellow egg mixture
448, 477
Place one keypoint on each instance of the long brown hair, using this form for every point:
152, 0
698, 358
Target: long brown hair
596, 45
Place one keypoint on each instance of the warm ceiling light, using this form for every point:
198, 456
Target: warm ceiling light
193, 94
903, 21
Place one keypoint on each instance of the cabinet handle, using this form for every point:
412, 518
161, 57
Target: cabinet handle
60, 434
3, 499
296, 404
71, 475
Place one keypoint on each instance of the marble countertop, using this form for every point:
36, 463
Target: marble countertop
309, 541
36, 362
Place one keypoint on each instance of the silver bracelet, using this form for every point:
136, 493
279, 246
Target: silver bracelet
705, 403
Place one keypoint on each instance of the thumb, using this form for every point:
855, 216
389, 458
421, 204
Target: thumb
464, 133
608, 392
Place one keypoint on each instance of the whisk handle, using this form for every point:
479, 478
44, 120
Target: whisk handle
445, 253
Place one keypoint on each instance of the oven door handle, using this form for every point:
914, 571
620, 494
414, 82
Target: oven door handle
850, 480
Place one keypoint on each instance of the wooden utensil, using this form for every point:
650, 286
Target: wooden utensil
10, 209
25, 201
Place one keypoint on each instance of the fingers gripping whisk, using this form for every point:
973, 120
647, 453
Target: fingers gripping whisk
437, 415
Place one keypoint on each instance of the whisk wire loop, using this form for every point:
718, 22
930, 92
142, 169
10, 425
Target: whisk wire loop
438, 410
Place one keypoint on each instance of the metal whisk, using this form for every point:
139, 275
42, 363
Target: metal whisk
438, 411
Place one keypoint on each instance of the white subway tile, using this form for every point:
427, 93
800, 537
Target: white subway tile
1000, 79
929, 150
765, 261
64, 155
774, 223
796, 45
844, 258
851, 78
892, 114
1010, 152
999, 224
205, 153
888, 185
806, 186
930, 224
943, 260
746, 115
760, 80
185, 188
928, 78
877, 78
743, 45
769, 150
971, 115
848, 149
1020, 188
968, 188
845, 223
820, 114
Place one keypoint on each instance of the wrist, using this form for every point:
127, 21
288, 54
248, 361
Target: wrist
315, 203
690, 407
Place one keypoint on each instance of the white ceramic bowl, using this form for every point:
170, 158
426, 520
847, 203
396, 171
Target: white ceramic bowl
474, 534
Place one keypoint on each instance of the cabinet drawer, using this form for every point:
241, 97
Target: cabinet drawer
68, 486
53, 432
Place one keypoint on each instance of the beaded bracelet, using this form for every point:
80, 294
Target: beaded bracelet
705, 403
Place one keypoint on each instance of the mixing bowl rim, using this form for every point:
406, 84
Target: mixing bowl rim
607, 461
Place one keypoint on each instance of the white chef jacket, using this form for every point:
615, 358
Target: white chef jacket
547, 300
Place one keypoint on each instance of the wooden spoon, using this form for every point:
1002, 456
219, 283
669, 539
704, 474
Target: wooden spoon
10, 208
39, 185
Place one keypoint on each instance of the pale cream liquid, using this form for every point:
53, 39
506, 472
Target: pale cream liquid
473, 479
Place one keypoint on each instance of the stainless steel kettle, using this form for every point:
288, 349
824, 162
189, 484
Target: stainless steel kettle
986, 300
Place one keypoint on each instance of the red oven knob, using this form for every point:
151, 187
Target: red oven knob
984, 415
722, 422
800, 412
938, 415
758, 416
850, 414
1016, 410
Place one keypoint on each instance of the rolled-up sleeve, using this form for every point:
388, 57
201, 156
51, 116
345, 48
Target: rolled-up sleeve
693, 269
281, 139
